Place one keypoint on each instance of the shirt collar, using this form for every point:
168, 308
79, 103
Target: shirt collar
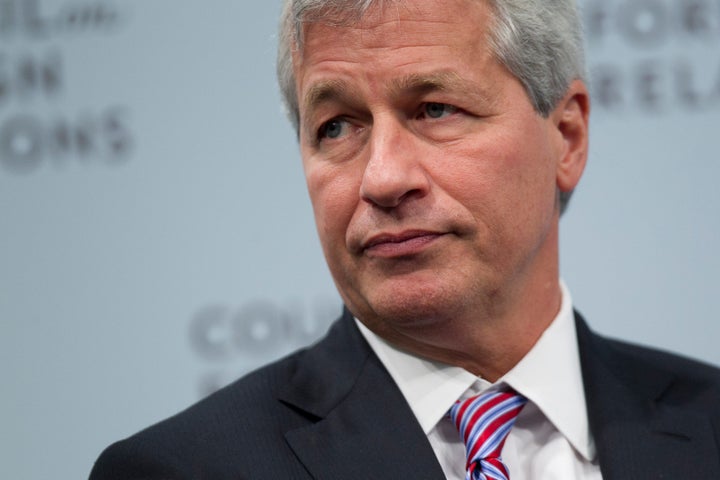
549, 376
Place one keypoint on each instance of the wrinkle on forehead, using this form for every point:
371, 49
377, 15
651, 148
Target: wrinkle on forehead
379, 16
386, 36
345, 16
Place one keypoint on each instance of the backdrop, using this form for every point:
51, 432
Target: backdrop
156, 240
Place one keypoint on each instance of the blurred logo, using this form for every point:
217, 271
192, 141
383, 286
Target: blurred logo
233, 341
34, 131
654, 56
36, 19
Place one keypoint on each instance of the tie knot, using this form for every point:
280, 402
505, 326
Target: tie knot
484, 422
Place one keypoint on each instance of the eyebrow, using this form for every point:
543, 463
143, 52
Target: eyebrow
421, 83
415, 83
325, 91
440, 81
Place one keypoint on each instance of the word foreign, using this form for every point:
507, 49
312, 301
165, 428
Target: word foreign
651, 23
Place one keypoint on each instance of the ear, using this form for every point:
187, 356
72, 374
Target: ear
571, 117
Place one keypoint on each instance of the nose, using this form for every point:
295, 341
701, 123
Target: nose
394, 171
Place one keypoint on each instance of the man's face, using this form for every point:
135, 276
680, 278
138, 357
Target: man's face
432, 179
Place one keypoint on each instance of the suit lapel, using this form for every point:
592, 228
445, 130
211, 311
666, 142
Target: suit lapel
636, 434
364, 427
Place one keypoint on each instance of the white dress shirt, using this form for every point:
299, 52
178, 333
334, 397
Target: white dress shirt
550, 439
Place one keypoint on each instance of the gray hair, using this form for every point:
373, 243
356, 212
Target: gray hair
539, 41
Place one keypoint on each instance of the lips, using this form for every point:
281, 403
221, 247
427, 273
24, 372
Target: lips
403, 244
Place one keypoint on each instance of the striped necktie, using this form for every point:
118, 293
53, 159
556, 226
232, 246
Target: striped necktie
484, 422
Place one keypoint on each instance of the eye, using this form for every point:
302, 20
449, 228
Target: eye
438, 110
332, 129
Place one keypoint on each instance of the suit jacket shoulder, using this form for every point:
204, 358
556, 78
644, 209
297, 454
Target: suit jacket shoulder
330, 411
652, 414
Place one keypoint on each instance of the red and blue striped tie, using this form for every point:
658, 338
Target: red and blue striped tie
484, 422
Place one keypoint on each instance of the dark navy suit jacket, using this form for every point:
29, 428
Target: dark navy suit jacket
333, 412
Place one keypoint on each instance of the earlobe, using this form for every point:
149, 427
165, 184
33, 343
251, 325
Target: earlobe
571, 118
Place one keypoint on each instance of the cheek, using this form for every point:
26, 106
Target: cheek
334, 199
505, 180
524, 161
484, 175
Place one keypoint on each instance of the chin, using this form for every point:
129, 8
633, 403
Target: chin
416, 308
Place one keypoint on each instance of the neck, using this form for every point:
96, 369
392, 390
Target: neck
494, 334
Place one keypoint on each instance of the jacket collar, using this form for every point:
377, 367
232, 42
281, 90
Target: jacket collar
363, 427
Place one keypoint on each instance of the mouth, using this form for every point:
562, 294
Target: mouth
403, 244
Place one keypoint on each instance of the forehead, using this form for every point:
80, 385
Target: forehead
394, 35
374, 16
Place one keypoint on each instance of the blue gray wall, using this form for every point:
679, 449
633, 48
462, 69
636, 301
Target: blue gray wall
156, 240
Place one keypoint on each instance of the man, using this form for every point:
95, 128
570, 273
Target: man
440, 142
